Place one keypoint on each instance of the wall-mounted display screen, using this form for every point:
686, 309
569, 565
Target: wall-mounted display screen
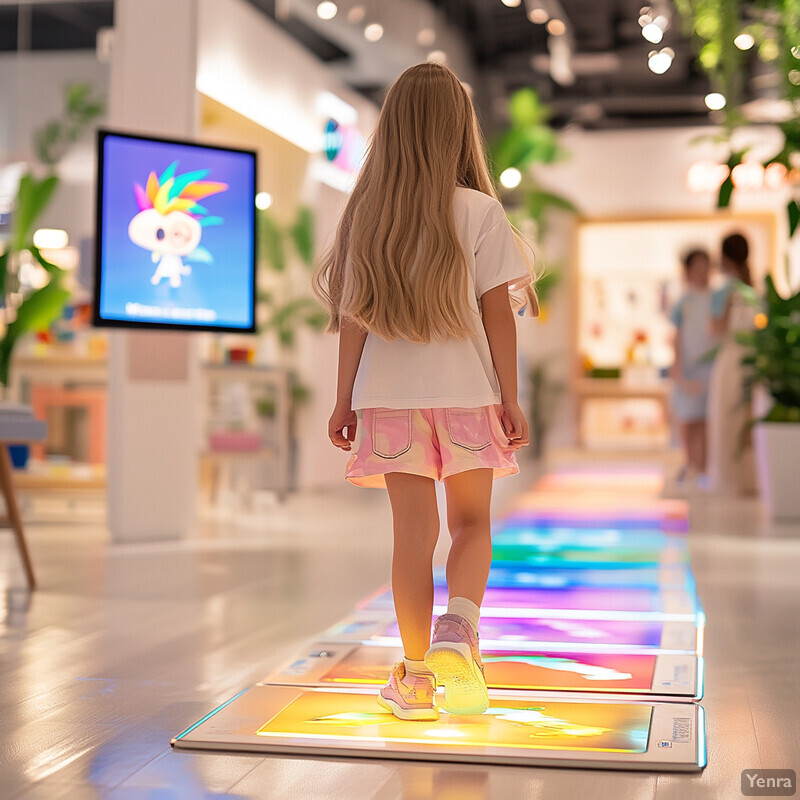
175, 235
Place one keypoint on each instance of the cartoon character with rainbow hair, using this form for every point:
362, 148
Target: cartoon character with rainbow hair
170, 221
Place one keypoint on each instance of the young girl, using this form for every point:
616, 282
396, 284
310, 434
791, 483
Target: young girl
419, 285
691, 317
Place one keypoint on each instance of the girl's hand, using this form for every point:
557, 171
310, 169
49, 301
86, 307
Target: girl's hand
343, 417
692, 386
515, 426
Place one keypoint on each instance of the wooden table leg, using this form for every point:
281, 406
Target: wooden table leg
7, 485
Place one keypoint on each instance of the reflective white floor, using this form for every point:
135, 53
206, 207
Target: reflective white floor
124, 646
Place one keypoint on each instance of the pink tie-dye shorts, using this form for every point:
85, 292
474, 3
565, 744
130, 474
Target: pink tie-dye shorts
432, 442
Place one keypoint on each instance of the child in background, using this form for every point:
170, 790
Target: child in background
731, 461
692, 317
420, 283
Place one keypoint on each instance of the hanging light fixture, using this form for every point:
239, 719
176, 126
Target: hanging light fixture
327, 10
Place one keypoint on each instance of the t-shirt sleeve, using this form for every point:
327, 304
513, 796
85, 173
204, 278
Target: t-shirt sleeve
676, 314
498, 259
719, 300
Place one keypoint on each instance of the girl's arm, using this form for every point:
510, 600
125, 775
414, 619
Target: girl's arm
719, 325
351, 345
501, 331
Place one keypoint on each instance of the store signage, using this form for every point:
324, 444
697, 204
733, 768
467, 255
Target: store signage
344, 145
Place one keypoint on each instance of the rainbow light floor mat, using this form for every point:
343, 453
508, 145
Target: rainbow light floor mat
591, 636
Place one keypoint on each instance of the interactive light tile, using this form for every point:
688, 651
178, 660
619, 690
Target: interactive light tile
585, 558
609, 635
590, 600
626, 505
547, 539
532, 730
665, 676
542, 602
510, 574
615, 480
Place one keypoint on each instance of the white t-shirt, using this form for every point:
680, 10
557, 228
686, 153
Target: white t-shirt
455, 373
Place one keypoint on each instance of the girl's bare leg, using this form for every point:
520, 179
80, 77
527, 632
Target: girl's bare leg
696, 444
701, 434
469, 496
416, 529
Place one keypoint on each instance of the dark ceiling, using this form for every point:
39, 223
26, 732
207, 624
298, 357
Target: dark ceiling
54, 26
613, 86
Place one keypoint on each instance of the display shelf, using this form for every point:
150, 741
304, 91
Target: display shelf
232, 391
629, 276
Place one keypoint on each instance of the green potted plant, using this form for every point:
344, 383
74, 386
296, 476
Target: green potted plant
285, 257
544, 395
529, 140
29, 310
25, 309
772, 358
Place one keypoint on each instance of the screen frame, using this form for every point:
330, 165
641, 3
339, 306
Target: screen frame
101, 322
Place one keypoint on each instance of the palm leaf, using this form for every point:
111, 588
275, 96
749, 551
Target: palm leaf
32, 198
302, 233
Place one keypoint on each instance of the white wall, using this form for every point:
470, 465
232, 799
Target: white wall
246, 62
31, 94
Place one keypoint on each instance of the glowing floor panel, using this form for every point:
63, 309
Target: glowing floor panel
591, 635
532, 602
663, 677
530, 730
609, 635
547, 539
515, 575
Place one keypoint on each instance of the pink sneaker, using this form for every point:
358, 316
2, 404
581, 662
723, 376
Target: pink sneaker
409, 696
455, 659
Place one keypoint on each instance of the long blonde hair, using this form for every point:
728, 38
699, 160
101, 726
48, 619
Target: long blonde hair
396, 266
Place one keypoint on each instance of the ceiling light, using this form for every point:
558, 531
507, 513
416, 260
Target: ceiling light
659, 61
437, 57
426, 37
373, 32
749, 175
356, 14
263, 201
327, 10
538, 15
511, 177
774, 175
744, 41
652, 32
50, 239
706, 176
511, 3
715, 101
561, 60
556, 27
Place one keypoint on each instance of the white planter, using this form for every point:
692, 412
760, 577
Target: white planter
777, 451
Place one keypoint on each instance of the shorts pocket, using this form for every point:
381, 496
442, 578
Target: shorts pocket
469, 428
391, 432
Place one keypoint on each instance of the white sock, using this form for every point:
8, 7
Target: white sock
416, 668
464, 607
